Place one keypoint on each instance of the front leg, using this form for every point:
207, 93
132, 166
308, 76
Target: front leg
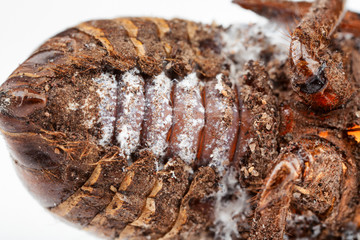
290, 13
275, 198
286, 12
311, 177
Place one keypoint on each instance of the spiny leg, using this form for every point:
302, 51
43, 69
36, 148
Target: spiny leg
311, 177
286, 12
290, 13
270, 216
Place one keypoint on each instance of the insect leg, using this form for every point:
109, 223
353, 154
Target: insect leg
286, 12
289, 13
270, 216
311, 178
351, 23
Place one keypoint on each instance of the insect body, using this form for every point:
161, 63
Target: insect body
115, 121
149, 128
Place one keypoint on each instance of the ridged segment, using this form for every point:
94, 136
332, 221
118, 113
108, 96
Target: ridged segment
114, 38
196, 207
130, 116
147, 34
162, 26
98, 34
127, 204
132, 31
107, 91
189, 119
163, 29
222, 123
158, 114
128, 127
96, 193
163, 203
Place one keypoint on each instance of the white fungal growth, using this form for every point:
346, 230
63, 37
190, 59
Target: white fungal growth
189, 114
73, 106
107, 88
219, 85
241, 42
132, 100
246, 42
189, 83
158, 118
219, 133
89, 105
229, 211
4, 103
89, 123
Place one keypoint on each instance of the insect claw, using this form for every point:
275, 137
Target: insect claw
280, 182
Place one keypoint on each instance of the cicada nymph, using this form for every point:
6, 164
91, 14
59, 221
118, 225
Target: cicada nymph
146, 128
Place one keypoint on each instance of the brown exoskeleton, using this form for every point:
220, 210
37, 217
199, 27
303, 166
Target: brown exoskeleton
315, 178
146, 128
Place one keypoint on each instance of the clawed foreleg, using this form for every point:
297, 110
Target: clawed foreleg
312, 177
290, 13
276, 197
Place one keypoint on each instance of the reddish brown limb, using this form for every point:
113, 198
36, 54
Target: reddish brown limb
312, 177
281, 11
288, 13
351, 23
276, 197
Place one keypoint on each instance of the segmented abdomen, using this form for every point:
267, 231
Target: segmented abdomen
126, 125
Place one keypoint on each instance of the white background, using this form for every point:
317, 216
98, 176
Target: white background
24, 25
